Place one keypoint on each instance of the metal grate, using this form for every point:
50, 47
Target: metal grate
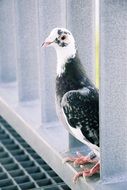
21, 168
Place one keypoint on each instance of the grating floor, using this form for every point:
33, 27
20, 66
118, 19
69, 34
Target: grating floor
21, 168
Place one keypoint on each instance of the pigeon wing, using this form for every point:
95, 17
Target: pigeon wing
81, 109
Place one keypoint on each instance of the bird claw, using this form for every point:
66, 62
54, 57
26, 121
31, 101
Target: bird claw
76, 176
79, 159
87, 172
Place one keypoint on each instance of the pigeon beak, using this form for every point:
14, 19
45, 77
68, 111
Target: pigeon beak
46, 44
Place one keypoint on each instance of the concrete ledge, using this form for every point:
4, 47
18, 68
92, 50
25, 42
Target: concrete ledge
49, 140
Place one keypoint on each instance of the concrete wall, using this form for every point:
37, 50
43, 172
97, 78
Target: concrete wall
7, 41
113, 89
27, 49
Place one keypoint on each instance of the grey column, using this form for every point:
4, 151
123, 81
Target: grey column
113, 89
51, 15
27, 45
7, 41
81, 22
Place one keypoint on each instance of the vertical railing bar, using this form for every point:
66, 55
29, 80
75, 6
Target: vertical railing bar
48, 56
113, 107
8, 42
80, 20
27, 45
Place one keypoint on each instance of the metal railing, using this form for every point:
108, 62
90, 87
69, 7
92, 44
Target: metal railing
27, 79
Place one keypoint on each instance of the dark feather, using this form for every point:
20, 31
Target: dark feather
82, 110
73, 78
79, 98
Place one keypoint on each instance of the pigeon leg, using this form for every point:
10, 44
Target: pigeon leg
93, 170
80, 159
87, 172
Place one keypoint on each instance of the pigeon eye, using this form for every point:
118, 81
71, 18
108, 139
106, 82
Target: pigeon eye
63, 37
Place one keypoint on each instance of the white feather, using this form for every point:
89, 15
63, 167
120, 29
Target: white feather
62, 55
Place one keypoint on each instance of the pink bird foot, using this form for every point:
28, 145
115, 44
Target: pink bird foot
87, 172
80, 159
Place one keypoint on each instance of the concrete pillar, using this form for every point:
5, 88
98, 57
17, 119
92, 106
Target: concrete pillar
81, 22
113, 90
27, 49
7, 41
51, 15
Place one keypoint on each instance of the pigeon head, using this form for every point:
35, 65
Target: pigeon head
59, 38
63, 42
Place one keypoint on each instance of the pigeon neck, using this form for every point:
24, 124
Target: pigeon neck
63, 54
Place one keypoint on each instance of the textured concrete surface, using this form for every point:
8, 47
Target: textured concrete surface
27, 49
7, 41
81, 21
113, 90
50, 16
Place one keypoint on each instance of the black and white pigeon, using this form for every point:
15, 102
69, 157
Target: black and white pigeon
76, 96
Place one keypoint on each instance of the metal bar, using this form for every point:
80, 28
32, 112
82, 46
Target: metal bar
37, 168
7, 42
27, 49
31, 158
9, 176
20, 166
113, 91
